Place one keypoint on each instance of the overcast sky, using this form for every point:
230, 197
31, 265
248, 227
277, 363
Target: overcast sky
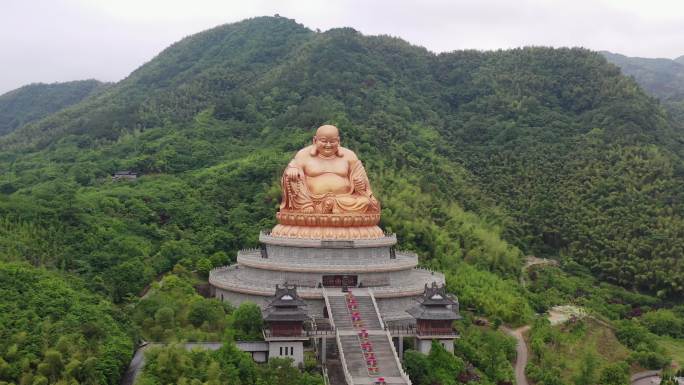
61, 40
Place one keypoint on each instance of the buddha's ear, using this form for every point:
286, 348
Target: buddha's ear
339, 152
314, 148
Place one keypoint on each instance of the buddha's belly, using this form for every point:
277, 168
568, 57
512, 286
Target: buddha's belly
328, 183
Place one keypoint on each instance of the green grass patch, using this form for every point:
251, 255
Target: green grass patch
563, 351
674, 347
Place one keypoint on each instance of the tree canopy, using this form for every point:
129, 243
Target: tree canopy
478, 158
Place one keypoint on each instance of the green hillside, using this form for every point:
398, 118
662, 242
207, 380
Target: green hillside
478, 158
52, 329
36, 101
552, 147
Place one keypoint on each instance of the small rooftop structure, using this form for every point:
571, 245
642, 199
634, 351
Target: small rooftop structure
434, 315
124, 175
436, 304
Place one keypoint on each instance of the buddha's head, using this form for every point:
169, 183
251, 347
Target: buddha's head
326, 141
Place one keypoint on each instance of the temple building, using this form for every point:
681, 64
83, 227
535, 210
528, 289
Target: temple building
327, 273
284, 317
434, 316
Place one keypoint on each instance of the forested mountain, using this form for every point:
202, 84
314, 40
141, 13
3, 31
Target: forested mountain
662, 78
552, 146
477, 157
36, 101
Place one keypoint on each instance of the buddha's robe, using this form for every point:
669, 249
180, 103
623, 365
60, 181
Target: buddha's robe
359, 199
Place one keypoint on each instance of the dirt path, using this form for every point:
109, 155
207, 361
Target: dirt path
648, 377
522, 355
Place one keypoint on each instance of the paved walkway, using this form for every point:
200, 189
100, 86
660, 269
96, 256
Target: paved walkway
522, 355
649, 377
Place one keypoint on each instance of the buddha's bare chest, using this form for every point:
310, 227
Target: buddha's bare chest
317, 166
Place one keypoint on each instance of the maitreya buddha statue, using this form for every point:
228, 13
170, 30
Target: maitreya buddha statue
326, 193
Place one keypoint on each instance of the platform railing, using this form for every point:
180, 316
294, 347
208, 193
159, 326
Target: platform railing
402, 330
407, 253
436, 332
413, 330
267, 232
253, 258
303, 334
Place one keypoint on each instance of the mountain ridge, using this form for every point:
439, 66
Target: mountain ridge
525, 128
663, 78
35, 101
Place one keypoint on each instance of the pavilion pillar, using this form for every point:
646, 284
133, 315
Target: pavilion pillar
401, 348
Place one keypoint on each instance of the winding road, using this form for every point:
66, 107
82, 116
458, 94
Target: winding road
648, 377
521, 349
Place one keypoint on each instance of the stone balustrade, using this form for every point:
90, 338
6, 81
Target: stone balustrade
229, 278
252, 258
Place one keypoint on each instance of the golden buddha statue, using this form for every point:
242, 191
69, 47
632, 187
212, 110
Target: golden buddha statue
326, 193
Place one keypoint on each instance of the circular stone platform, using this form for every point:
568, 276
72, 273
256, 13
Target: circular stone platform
312, 264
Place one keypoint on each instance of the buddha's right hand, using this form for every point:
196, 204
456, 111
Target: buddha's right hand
293, 173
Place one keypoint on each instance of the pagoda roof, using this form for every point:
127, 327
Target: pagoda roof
286, 305
436, 295
286, 296
435, 304
433, 313
274, 314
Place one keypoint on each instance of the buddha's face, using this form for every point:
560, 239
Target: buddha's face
327, 141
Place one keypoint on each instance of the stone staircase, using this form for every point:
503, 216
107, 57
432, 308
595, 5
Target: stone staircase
339, 313
342, 317
356, 363
385, 356
349, 343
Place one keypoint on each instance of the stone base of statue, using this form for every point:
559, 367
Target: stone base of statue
315, 264
327, 226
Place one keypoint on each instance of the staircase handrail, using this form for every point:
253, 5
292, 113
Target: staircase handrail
377, 310
347, 374
327, 305
324, 370
396, 359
